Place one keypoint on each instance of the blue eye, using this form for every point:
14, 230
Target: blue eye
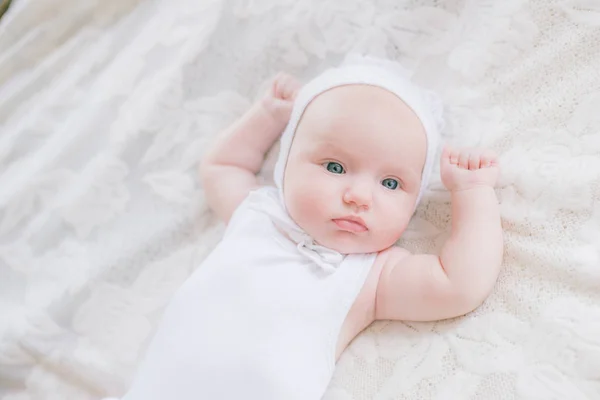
334, 168
389, 183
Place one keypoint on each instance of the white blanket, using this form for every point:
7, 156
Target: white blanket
106, 108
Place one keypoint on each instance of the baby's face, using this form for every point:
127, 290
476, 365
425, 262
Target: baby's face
354, 169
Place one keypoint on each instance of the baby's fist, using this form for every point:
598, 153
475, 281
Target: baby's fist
463, 169
279, 99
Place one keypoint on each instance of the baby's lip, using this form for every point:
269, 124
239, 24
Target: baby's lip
351, 223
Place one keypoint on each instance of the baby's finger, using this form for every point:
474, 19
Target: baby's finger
445, 164
488, 158
293, 87
446, 153
454, 157
287, 86
276, 84
463, 160
473, 161
279, 83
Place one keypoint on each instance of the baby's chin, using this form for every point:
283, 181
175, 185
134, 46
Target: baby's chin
348, 243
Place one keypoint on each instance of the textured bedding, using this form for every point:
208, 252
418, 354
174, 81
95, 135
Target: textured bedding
106, 108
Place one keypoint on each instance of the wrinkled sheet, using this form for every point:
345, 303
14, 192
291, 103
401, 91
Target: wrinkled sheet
106, 108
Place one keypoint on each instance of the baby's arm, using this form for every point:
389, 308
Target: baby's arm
228, 171
427, 287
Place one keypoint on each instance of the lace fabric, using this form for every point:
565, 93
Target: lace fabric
106, 108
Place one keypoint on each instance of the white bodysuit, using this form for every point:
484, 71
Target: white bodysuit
259, 319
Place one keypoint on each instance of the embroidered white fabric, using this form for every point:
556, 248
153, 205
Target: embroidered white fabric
106, 107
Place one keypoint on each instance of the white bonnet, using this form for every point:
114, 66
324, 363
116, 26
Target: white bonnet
389, 75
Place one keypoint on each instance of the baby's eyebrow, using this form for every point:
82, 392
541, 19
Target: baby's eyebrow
326, 145
402, 171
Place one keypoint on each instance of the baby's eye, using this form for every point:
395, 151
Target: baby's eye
390, 183
334, 168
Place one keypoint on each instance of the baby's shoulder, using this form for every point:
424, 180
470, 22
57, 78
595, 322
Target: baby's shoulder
393, 253
256, 202
381, 259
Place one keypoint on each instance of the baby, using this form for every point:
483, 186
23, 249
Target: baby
306, 266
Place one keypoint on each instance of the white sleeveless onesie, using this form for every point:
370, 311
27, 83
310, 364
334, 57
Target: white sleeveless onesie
259, 319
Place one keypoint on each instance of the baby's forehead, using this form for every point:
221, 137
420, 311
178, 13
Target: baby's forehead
355, 94
360, 104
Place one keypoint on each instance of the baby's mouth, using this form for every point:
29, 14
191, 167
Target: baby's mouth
354, 225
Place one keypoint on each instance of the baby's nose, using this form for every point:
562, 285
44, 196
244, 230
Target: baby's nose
360, 195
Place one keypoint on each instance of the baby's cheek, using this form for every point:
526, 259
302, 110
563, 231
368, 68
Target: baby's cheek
302, 201
304, 204
395, 221
314, 196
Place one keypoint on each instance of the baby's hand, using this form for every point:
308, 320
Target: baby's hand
279, 99
468, 168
